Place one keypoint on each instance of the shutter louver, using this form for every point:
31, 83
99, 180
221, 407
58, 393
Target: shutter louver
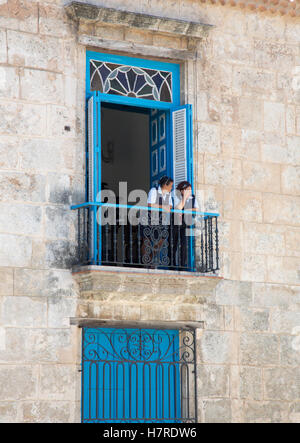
179, 146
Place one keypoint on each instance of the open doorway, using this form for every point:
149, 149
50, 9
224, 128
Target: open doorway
125, 153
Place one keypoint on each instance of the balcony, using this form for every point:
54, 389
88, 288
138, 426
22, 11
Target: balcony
147, 238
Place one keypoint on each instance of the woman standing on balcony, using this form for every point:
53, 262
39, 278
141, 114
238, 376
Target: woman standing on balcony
183, 200
156, 249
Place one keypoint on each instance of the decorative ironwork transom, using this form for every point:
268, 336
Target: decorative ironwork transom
138, 375
131, 81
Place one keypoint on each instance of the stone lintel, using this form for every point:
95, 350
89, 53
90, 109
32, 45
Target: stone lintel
151, 324
87, 13
133, 48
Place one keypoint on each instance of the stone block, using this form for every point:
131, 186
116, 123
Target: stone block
19, 15
261, 176
230, 140
251, 387
18, 382
253, 268
6, 281
217, 411
293, 143
268, 295
46, 155
249, 146
60, 116
251, 319
285, 321
52, 21
282, 384
59, 188
265, 412
290, 119
222, 171
264, 239
294, 413
218, 347
274, 117
47, 412
281, 209
58, 222
20, 219
249, 79
24, 312
290, 348
9, 82
208, 138
60, 254
243, 205
22, 187
231, 50
292, 241
34, 51
128, 312
250, 113
265, 27
290, 179
35, 282
22, 119
234, 293
8, 412
9, 147
283, 269
42, 86
274, 56
15, 250
60, 310
3, 46
213, 317
202, 106
259, 349
213, 381
36, 345
111, 32
57, 382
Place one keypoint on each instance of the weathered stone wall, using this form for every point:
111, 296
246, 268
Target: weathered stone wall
245, 88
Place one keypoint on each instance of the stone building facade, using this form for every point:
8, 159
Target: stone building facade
240, 70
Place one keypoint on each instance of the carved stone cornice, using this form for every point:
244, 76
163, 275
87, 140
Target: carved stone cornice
87, 13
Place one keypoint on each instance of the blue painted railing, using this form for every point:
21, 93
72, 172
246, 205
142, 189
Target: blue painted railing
157, 242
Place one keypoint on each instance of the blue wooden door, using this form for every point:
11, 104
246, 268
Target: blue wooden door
130, 375
160, 155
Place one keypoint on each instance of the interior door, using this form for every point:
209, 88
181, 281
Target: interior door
159, 153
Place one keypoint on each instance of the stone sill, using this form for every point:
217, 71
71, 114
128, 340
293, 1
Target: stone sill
87, 13
128, 270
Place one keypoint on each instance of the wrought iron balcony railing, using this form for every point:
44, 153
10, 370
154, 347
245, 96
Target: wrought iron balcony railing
138, 236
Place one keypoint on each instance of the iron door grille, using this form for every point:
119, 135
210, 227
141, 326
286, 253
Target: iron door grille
138, 376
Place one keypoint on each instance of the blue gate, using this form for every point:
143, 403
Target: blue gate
138, 376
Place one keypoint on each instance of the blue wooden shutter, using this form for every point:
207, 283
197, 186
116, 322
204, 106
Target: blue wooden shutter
94, 169
182, 136
159, 163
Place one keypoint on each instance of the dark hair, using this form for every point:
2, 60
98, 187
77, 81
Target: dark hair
183, 185
165, 181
